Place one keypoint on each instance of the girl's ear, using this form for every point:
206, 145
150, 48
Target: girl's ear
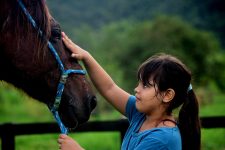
168, 95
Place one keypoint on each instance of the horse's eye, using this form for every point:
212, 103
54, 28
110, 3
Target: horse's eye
55, 35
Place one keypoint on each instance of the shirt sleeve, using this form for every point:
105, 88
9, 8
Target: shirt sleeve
131, 108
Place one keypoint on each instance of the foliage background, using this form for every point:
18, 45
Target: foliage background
121, 35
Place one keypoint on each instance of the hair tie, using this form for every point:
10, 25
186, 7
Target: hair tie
189, 88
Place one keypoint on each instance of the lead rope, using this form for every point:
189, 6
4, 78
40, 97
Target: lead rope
64, 73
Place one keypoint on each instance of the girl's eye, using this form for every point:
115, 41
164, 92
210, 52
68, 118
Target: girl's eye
149, 85
145, 86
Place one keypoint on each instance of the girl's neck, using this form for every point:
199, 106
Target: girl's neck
158, 115
158, 121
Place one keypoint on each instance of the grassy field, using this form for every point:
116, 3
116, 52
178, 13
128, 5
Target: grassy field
16, 107
213, 139
94, 141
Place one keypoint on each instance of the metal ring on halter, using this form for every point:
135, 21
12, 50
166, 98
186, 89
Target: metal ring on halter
64, 73
189, 88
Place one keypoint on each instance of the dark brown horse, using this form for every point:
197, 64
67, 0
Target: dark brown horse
27, 63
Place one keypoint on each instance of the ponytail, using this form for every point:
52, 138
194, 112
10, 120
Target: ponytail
189, 123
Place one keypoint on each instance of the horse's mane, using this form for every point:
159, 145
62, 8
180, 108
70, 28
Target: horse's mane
17, 24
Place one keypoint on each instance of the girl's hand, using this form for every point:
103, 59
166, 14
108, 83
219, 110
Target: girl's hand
77, 52
67, 143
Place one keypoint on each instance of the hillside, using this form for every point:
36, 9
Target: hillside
204, 14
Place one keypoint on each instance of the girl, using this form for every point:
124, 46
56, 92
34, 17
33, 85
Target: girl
163, 85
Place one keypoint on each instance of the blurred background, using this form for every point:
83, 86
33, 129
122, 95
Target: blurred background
121, 34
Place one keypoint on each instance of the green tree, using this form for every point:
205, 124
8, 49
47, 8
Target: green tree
128, 44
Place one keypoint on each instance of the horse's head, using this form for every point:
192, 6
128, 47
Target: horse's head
27, 63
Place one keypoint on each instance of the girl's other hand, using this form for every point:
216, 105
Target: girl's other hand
67, 143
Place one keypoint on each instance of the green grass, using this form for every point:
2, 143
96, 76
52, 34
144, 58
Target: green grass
213, 139
90, 141
99, 141
37, 142
215, 108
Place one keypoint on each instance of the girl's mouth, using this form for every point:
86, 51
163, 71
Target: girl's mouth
137, 98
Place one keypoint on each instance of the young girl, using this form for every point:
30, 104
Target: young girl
164, 83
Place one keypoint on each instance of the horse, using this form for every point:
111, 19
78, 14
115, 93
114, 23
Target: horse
27, 63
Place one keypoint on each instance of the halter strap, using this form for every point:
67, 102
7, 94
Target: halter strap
64, 73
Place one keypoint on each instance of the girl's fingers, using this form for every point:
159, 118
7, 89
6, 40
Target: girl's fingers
65, 38
75, 49
60, 147
68, 43
63, 136
74, 55
64, 35
60, 141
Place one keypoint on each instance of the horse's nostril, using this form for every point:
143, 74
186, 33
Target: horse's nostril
93, 102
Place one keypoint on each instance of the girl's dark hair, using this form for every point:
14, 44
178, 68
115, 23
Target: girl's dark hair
166, 72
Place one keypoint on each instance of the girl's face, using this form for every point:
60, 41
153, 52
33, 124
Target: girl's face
147, 98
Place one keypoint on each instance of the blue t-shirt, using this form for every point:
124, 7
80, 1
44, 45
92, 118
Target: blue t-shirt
161, 138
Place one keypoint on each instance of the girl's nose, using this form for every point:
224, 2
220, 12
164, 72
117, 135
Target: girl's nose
136, 89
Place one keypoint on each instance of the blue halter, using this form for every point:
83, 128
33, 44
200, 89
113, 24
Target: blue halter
64, 73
